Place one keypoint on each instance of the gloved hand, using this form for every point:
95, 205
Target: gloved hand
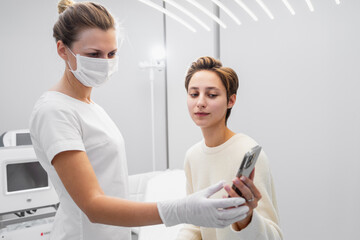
199, 210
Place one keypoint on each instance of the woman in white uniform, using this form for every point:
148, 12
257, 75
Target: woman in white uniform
211, 92
83, 151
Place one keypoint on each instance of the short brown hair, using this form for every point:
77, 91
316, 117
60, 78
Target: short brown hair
75, 17
227, 75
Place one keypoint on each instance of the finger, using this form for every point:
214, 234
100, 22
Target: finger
252, 174
214, 188
250, 184
238, 192
227, 202
245, 190
231, 192
227, 188
233, 213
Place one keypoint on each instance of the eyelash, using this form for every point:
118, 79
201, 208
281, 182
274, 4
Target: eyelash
93, 54
112, 54
196, 94
96, 54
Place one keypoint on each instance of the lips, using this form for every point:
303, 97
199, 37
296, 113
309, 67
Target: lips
201, 114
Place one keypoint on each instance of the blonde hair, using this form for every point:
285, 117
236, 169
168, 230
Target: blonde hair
63, 4
227, 76
76, 17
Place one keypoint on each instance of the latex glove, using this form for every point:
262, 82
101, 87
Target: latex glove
199, 210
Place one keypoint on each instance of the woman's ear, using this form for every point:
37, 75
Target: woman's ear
232, 101
61, 50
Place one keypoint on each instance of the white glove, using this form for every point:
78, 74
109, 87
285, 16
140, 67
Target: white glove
199, 210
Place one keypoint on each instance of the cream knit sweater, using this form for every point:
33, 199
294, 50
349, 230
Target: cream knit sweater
205, 166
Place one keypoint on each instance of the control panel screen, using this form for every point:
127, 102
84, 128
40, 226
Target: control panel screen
24, 176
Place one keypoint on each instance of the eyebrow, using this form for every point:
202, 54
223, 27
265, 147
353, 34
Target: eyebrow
95, 49
207, 88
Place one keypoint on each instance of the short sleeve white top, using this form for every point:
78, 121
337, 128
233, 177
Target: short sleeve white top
61, 123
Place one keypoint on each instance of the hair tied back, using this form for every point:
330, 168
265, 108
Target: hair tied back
64, 4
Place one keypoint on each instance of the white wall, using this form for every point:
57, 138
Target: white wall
30, 66
299, 98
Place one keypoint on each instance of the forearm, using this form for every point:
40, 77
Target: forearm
120, 212
79, 179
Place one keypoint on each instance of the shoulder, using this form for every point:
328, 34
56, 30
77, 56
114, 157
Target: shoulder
49, 109
50, 101
50, 104
244, 140
194, 149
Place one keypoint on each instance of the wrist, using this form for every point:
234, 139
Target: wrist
238, 226
168, 212
235, 227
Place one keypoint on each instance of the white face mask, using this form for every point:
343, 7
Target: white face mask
93, 72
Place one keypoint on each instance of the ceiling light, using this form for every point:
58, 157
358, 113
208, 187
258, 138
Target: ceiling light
185, 11
265, 8
311, 7
287, 4
207, 12
246, 9
168, 13
227, 11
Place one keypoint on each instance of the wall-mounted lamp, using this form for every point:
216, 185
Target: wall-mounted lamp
157, 62
158, 54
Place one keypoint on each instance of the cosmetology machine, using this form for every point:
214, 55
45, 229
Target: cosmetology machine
28, 200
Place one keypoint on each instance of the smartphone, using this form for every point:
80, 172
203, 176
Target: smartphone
247, 165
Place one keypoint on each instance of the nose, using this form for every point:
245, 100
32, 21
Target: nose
201, 102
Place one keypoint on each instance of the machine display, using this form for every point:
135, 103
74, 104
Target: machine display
24, 176
24, 184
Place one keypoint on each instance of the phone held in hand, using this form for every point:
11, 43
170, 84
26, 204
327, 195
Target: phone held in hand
247, 165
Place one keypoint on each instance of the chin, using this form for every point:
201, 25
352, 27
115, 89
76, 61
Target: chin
201, 124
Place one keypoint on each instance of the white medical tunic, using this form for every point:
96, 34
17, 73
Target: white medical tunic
61, 123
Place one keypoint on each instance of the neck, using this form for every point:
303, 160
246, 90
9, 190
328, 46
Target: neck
70, 86
216, 135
